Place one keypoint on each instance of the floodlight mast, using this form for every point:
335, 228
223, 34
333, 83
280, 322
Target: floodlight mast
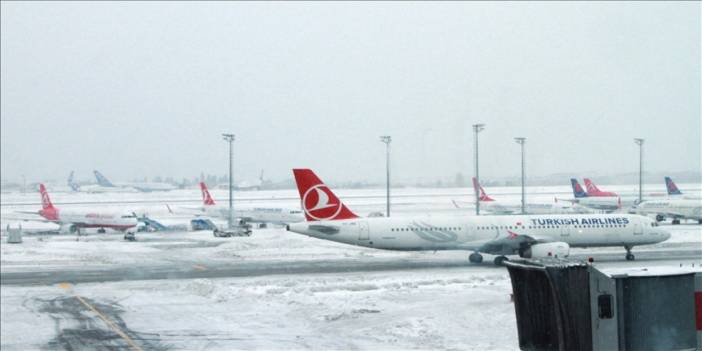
387, 140
476, 129
230, 139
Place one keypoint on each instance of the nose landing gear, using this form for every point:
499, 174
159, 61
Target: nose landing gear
500, 260
629, 255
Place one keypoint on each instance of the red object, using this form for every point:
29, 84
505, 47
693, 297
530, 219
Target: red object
698, 309
477, 188
48, 210
318, 201
592, 189
206, 198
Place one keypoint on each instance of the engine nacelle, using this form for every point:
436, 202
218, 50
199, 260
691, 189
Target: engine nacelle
555, 249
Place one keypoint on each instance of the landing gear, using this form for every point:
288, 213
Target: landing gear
676, 221
101, 230
629, 255
500, 260
699, 221
475, 258
660, 218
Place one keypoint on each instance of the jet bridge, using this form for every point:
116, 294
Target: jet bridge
566, 305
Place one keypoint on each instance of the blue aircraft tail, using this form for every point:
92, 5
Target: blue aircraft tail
672, 188
102, 180
71, 184
578, 191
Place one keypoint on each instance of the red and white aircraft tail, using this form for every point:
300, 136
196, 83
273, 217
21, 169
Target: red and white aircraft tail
318, 201
206, 197
592, 189
482, 196
48, 210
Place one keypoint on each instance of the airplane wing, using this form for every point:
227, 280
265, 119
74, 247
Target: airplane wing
512, 242
27, 216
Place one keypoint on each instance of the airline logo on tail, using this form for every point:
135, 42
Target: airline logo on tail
102, 180
48, 210
206, 198
591, 187
316, 199
672, 188
482, 196
578, 191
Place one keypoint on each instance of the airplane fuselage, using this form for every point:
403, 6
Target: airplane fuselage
473, 233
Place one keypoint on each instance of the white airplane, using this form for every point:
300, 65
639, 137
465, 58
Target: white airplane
137, 186
74, 220
96, 188
492, 206
261, 215
676, 209
527, 235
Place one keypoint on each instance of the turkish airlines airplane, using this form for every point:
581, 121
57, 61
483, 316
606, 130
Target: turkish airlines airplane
592, 190
75, 220
602, 203
676, 209
274, 215
492, 206
526, 235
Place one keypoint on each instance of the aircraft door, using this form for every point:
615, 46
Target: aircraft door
638, 230
363, 231
565, 230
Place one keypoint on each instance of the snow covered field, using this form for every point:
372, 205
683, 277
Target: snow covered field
452, 305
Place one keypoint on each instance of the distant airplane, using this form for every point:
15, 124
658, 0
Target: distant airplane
75, 219
492, 206
527, 235
592, 190
261, 215
677, 206
139, 186
601, 203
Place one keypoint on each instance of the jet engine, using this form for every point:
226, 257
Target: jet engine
556, 249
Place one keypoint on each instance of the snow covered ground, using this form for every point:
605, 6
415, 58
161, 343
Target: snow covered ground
459, 306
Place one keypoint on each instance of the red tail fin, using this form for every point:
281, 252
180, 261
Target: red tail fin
591, 187
206, 198
45, 200
482, 196
318, 201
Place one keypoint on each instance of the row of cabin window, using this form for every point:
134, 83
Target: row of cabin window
555, 226
411, 229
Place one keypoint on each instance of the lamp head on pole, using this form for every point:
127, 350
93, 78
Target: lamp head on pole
386, 139
478, 127
228, 137
639, 141
520, 140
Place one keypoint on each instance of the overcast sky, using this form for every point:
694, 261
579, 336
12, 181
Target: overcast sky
144, 89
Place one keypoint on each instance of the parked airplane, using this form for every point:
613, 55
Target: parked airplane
139, 186
489, 205
96, 188
74, 220
262, 215
676, 209
592, 190
527, 235
601, 203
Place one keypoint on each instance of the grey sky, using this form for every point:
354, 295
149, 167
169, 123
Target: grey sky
145, 89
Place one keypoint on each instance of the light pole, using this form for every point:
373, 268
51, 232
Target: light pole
387, 140
476, 129
230, 139
521, 141
640, 141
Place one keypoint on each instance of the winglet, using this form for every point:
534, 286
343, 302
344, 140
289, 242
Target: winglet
318, 201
